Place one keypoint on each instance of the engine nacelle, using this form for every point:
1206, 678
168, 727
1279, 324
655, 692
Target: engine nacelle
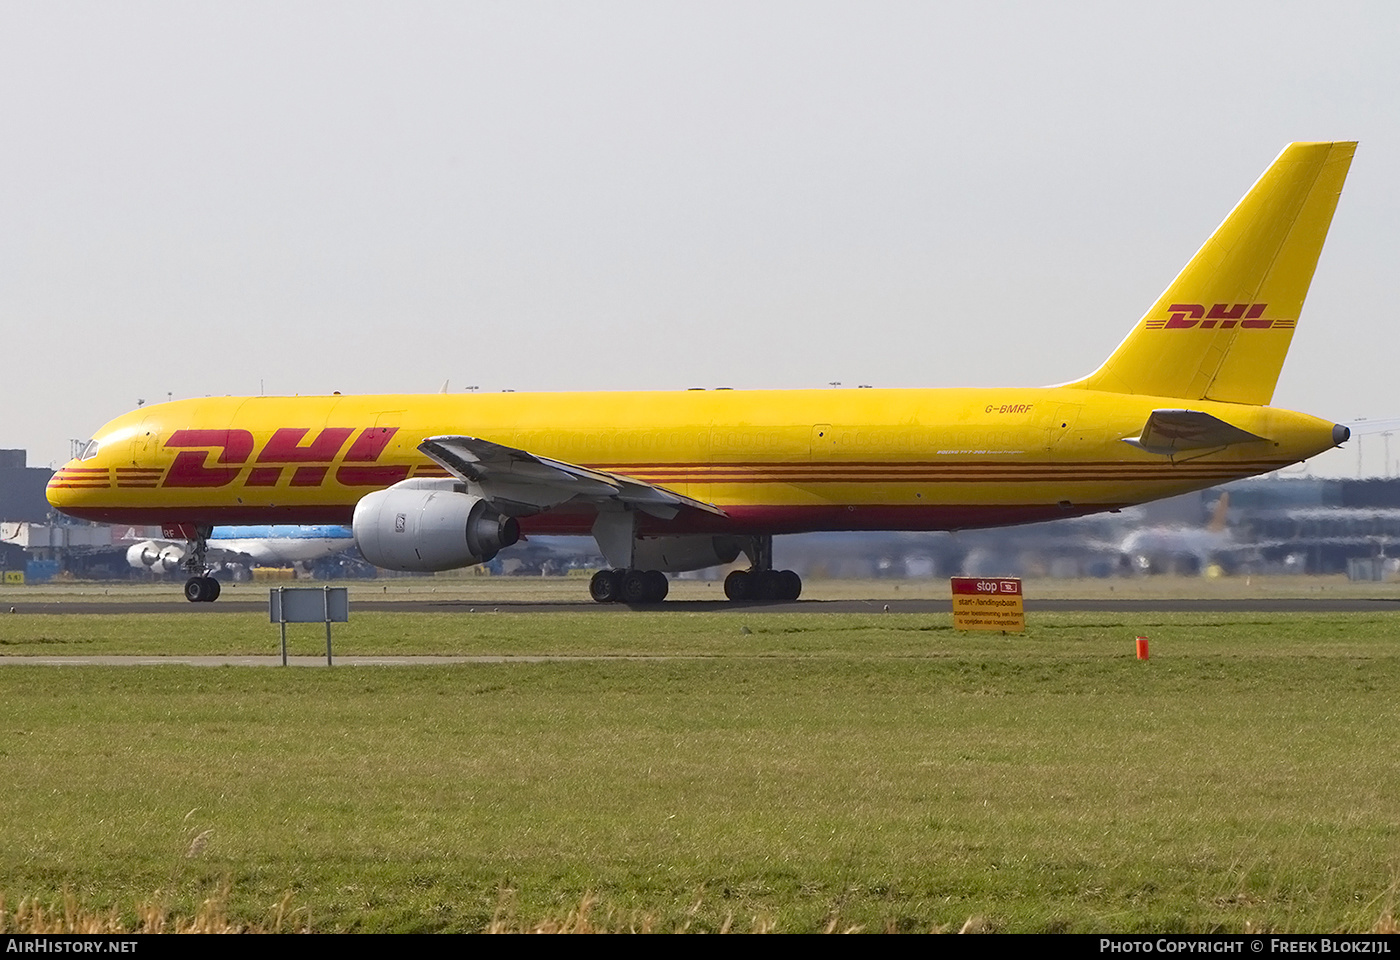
142, 555
676, 554
428, 525
171, 557
148, 555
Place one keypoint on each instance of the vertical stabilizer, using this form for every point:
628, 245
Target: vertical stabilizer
1218, 515
1223, 327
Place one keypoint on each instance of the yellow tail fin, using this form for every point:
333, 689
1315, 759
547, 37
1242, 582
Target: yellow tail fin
1217, 517
1222, 329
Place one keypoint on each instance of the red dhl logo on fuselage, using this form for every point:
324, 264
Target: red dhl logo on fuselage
308, 462
1249, 316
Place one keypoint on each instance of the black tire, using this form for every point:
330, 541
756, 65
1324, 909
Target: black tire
738, 586
657, 586
768, 586
792, 585
636, 587
214, 590
605, 586
197, 589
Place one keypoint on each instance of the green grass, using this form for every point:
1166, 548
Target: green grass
467, 587
879, 771
620, 632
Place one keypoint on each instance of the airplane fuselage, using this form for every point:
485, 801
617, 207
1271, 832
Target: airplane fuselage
772, 461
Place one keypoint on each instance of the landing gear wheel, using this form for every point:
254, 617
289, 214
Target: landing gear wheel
768, 586
201, 589
636, 588
792, 585
605, 586
738, 586
657, 586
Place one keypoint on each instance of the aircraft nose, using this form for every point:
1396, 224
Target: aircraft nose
68, 489
57, 491
1340, 434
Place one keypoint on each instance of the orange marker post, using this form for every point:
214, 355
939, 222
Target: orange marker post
1142, 648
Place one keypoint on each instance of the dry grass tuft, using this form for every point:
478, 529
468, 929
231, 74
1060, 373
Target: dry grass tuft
198, 844
578, 920
584, 919
34, 917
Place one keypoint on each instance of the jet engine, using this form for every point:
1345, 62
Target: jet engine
150, 555
427, 525
142, 555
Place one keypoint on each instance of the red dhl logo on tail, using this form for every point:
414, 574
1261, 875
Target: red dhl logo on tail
309, 463
1250, 316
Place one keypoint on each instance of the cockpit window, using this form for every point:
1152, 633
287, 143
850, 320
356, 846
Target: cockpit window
89, 450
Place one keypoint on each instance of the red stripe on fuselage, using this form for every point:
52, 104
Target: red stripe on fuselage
564, 521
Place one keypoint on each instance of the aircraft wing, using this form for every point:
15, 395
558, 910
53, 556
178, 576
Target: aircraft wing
518, 477
1173, 431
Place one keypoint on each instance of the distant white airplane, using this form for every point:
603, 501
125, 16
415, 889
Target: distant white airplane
275, 545
1161, 547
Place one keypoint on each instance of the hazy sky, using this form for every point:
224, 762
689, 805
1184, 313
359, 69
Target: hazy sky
211, 198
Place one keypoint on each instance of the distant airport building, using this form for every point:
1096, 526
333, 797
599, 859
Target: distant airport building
22, 488
21, 499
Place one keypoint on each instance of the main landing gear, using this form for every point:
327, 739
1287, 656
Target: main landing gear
764, 586
629, 586
760, 582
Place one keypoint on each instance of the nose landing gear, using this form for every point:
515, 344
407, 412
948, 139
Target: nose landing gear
200, 587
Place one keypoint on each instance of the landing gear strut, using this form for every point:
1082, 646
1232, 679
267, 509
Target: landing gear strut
200, 587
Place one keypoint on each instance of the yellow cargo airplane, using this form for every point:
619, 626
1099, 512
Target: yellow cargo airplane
690, 479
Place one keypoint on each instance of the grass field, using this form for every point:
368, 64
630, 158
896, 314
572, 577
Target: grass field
776, 771
454, 586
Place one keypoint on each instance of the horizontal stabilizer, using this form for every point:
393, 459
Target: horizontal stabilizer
1171, 431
